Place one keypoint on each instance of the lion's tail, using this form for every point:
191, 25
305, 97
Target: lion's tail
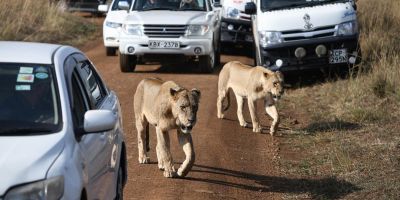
147, 138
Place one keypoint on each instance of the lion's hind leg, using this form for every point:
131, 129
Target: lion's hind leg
142, 135
273, 112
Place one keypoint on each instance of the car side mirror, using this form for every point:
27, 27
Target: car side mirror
250, 8
103, 8
99, 121
123, 5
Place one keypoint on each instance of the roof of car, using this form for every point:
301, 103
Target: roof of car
27, 52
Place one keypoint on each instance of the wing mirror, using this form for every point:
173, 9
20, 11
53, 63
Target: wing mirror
103, 8
99, 121
250, 8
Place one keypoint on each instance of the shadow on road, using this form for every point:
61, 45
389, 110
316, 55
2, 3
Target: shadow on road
337, 125
324, 188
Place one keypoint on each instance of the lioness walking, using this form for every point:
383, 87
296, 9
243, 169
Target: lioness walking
251, 83
166, 106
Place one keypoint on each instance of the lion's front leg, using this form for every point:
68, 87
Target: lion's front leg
273, 112
164, 153
253, 114
187, 144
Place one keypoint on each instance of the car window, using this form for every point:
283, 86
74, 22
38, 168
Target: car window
92, 82
29, 102
177, 5
79, 101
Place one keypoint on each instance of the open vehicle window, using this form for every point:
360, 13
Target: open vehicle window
176, 5
29, 102
268, 5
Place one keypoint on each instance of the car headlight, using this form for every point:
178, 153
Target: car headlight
269, 38
52, 188
197, 30
113, 24
132, 29
232, 13
347, 28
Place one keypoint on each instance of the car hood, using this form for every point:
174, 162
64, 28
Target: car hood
26, 159
167, 17
294, 19
117, 16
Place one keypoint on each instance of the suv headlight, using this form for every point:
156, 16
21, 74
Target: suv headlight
52, 188
132, 29
232, 13
347, 28
113, 24
269, 37
197, 30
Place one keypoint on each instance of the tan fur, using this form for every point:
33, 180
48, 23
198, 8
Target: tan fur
251, 83
166, 106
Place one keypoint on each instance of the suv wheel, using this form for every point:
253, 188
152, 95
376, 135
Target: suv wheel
111, 51
207, 62
127, 63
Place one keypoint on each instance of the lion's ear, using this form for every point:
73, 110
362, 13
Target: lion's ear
196, 92
175, 90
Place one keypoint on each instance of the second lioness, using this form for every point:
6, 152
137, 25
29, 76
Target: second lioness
166, 106
251, 83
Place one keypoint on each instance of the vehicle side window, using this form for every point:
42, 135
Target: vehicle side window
93, 84
79, 105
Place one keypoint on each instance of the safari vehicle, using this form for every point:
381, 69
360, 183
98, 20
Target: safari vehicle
235, 23
61, 134
158, 30
83, 5
304, 34
116, 13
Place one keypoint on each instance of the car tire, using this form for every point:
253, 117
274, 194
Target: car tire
207, 62
111, 51
120, 184
127, 62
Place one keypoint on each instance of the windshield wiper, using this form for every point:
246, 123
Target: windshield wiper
294, 5
191, 9
315, 3
25, 130
156, 9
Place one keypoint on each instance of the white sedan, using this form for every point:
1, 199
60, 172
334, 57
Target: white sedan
61, 135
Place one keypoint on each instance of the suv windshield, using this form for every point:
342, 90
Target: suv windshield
268, 5
28, 101
197, 5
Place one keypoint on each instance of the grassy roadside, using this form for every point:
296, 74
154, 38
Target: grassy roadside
347, 131
40, 21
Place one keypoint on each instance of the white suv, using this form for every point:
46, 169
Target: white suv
116, 14
155, 28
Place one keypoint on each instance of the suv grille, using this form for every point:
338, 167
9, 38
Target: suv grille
319, 32
164, 31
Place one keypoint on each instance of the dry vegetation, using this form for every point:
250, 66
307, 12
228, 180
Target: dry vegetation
40, 21
348, 130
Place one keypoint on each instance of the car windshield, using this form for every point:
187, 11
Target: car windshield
28, 100
176, 5
268, 5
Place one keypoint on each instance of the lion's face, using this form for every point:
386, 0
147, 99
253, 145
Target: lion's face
185, 106
274, 84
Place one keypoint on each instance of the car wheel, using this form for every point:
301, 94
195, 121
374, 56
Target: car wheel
207, 63
120, 184
111, 51
127, 62
218, 55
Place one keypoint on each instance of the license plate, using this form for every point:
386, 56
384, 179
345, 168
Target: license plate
338, 56
164, 44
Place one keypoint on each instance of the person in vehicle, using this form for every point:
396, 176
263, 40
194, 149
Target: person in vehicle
150, 4
188, 4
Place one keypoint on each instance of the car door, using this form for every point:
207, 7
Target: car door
99, 148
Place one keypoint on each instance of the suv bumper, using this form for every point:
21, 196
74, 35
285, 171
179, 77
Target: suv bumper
240, 31
187, 46
286, 52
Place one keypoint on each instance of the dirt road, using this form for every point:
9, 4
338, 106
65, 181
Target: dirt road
231, 162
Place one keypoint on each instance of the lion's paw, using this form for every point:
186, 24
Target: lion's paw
244, 124
170, 174
257, 129
220, 116
144, 160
